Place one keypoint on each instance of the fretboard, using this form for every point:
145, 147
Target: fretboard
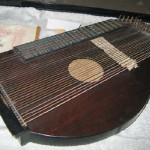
56, 42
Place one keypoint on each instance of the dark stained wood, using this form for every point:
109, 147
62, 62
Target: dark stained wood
104, 108
108, 106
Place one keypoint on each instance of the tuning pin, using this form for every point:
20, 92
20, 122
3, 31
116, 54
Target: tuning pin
136, 23
147, 26
123, 18
140, 24
120, 18
127, 19
140, 20
135, 20
143, 27
131, 19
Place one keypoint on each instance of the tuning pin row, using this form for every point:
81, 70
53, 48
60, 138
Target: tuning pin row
142, 25
128, 19
136, 22
146, 27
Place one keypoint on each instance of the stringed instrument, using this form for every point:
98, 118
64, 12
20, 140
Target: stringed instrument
91, 82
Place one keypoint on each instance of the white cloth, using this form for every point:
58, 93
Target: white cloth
135, 137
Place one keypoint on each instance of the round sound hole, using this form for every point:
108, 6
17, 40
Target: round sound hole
85, 70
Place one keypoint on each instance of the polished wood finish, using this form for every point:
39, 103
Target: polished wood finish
108, 106
104, 108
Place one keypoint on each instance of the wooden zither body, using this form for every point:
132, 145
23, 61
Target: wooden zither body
91, 82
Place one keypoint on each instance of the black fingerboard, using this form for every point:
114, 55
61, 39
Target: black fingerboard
56, 42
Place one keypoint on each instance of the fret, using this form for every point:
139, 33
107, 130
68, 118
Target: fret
65, 37
106, 25
75, 38
78, 34
90, 31
65, 40
39, 42
111, 24
102, 27
87, 32
116, 23
98, 29
94, 30
82, 30
54, 40
58, 37
48, 41
60, 42
33, 47
69, 38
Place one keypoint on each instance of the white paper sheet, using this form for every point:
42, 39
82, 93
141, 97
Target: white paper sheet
62, 24
13, 35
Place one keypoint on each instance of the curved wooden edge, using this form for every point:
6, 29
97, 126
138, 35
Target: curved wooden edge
29, 136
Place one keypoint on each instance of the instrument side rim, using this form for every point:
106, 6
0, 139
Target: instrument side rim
30, 136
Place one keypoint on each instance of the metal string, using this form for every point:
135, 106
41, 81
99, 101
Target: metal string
65, 39
54, 76
55, 82
74, 55
27, 119
31, 92
22, 68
